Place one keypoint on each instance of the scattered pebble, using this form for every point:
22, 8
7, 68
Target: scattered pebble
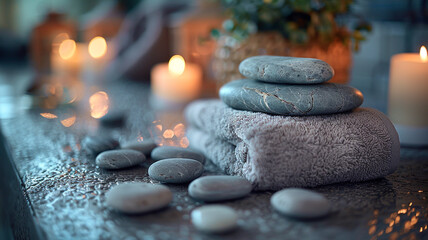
97, 144
219, 188
145, 146
176, 170
113, 119
300, 203
138, 197
118, 159
214, 218
165, 152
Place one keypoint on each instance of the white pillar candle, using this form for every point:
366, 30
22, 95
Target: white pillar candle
176, 81
408, 96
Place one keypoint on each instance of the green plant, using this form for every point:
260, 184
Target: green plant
300, 21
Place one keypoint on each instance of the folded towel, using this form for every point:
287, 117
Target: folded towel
275, 152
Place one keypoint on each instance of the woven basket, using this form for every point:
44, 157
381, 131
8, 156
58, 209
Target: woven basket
230, 53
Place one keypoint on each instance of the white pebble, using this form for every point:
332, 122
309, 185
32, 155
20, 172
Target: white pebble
214, 218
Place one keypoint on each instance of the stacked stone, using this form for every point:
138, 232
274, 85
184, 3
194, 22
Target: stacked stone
289, 86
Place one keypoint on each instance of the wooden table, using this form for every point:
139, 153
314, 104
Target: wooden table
53, 190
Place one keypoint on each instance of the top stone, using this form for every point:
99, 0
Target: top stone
277, 69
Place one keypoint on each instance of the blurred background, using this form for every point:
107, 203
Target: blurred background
357, 38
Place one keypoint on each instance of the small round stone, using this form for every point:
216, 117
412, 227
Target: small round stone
113, 119
165, 152
290, 70
300, 203
118, 159
291, 100
97, 144
138, 197
176, 170
214, 218
145, 146
219, 188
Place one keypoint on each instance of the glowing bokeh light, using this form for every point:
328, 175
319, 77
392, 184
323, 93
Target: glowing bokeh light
48, 115
67, 49
99, 104
423, 54
97, 47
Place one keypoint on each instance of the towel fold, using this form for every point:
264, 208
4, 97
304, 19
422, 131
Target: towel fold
274, 152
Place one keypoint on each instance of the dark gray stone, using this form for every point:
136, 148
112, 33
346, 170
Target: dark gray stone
138, 197
176, 170
219, 188
300, 203
277, 69
97, 144
294, 100
165, 152
145, 146
118, 159
113, 119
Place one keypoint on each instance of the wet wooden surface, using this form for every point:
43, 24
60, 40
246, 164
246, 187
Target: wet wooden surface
66, 191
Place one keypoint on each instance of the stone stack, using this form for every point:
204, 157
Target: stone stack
289, 86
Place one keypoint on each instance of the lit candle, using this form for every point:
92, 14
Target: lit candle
408, 96
176, 81
67, 58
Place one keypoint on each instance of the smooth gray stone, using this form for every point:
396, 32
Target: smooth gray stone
118, 159
277, 69
294, 100
145, 146
138, 197
165, 152
176, 170
300, 203
214, 218
219, 188
97, 144
113, 119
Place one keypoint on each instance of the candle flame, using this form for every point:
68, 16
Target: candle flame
97, 47
99, 104
67, 49
176, 65
423, 54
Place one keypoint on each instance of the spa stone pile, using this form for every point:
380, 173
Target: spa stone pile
289, 86
275, 85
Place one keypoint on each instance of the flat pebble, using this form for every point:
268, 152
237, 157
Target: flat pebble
145, 146
214, 218
300, 203
279, 69
176, 170
288, 99
97, 144
164, 152
138, 197
219, 188
118, 159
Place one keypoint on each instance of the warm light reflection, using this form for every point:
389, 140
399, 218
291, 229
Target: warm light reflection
184, 142
68, 122
97, 47
176, 65
423, 54
99, 104
179, 130
67, 49
168, 133
48, 115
